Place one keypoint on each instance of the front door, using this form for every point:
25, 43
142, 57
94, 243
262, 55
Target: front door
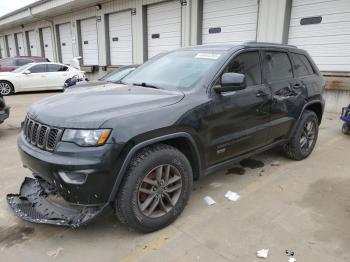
36, 79
239, 120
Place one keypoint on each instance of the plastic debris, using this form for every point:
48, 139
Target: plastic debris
292, 259
55, 253
233, 196
275, 163
290, 252
209, 200
263, 253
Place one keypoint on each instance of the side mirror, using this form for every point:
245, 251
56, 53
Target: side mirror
27, 72
231, 82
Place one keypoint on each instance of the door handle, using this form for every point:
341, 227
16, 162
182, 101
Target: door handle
261, 94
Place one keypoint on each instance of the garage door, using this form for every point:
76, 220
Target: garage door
66, 48
323, 29
3, 52
20, 44
33, 47
163, 27
47, 43
89, 41
120, 38
229, 21
11, 45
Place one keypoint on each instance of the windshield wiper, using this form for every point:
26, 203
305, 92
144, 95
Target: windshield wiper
146, 85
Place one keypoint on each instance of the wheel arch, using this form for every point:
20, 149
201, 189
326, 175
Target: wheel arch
317, 108
183, 141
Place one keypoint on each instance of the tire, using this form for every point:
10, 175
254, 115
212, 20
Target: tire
346, 129
6, 88
303, 140
144, 188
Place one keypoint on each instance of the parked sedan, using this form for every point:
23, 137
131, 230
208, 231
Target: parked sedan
36, 77
4, 110
11, 63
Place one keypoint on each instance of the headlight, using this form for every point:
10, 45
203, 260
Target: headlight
81, 137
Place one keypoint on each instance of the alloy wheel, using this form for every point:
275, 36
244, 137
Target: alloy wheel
308, 136
159, 191
5, 88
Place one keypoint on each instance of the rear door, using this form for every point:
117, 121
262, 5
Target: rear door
56, 76
240, 119
278, 75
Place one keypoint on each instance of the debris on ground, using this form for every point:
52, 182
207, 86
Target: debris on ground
275, 163
233, 196
292, 259
263, 253
261, 172
54, 253
237, 170
209, 200
290, 253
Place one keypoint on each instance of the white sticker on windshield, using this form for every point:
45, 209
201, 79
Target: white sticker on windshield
208, 56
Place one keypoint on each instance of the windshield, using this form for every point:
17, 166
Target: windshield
118, 74
22, 68
180, 70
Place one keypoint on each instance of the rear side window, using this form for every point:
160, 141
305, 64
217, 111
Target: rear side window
7, 62
56, 68
21, 61
302, 66
38, 69
277, 66
248, 64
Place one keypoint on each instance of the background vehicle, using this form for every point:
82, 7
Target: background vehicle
345, 116
140, 144
37, 76
11, 63
4, 110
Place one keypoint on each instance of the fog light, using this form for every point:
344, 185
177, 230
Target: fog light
73, 177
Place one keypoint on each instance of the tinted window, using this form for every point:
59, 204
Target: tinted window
56, 68
277, 66
7, 62
247, 64
38, 69
20, 62
302, 66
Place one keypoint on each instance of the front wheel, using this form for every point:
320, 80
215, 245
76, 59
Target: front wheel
304, 138
155, 190
6, 88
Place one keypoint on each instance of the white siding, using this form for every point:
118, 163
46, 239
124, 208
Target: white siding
66, 48
120, 38
48, 43
33, 46
3, 52
327, 42
234, 20
20, 44
11, 45
163, 27
89, 41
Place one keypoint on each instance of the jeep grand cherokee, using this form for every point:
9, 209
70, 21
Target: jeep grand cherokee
140, 144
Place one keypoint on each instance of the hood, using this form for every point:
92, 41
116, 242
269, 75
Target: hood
90, 107
7, 73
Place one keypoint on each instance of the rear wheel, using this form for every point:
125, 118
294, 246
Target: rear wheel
304, 139
346, 128
155, 190
6, 88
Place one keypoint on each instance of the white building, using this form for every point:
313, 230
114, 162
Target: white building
120, 32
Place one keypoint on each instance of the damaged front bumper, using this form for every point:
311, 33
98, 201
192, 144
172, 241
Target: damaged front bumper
38, 202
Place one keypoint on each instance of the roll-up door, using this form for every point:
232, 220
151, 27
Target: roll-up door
89, 42
65, 36
163, 27
323, 29
3, 52
11, 45
47, 43
33, 47
20, 44
120, 38
229, 21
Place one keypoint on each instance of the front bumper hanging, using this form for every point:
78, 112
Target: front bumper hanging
33, 204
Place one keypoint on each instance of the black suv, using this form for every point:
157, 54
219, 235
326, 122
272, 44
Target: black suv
139, 145
4, 110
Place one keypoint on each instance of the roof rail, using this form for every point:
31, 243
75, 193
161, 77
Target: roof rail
267, 43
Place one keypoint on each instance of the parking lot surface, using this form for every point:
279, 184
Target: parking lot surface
300, 206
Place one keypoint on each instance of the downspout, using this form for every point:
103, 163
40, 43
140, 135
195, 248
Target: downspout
52, 25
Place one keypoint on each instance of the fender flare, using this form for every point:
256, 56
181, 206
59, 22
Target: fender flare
136, 148
321, 102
